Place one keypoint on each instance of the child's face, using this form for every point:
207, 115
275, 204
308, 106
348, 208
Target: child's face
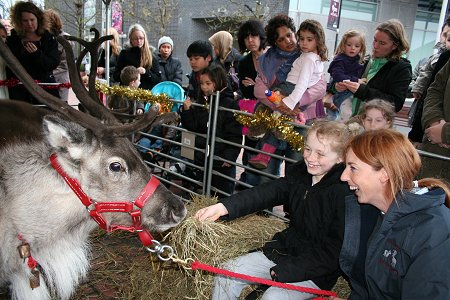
375, 120
136, 83
199, 63
206, 85
319, 156
308, 41
352, 46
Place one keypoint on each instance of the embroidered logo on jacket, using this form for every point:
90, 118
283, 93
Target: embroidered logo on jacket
390, 256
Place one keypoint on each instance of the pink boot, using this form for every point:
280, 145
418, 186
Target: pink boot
261, 160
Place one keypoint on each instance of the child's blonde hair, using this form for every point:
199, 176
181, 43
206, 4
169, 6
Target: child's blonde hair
347, 35
386, 108
316, 28
336, 133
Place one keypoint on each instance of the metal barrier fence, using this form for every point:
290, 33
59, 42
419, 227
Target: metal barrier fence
185, 182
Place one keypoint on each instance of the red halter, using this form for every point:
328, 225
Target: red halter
96, 209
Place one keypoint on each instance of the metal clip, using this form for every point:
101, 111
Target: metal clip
24, 250
160, 250
35, 279
185, 263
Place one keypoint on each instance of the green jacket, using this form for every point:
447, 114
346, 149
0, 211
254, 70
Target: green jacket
437, 107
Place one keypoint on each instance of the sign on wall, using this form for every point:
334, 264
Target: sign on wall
334, 15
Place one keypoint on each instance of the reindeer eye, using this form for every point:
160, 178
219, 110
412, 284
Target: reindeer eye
115, 167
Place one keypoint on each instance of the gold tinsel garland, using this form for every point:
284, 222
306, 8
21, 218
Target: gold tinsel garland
271, 121
138, 94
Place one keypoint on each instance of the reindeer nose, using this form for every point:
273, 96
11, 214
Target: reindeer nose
179, 216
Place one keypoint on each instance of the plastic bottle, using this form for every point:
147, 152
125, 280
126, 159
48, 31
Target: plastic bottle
273, 97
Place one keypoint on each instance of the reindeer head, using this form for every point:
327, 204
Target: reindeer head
94, 150
110, 169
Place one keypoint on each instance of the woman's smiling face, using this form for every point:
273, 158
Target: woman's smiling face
369, 185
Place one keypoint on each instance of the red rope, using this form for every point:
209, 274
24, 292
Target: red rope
198, 265
13, 82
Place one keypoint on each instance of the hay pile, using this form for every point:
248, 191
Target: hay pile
122, 269
213, 243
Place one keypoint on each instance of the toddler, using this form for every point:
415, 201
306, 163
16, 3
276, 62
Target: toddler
346, 65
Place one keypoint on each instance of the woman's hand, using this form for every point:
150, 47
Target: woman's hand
417, 95
248, 82
434, 132
141, 70
211, 213
351, 86
30, 47
340, 87
100, 70
187, 103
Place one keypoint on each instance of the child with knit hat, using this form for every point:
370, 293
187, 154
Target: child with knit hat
169, 66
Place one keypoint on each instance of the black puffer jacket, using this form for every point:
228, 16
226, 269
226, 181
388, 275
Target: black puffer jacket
309, 248
132, 57
170, 69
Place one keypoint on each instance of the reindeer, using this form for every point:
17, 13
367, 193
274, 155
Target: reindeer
44, 227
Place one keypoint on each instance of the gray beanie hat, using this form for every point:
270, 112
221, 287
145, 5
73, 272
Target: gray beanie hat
165, 40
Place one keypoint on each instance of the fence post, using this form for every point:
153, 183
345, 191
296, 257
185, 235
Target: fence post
210, 141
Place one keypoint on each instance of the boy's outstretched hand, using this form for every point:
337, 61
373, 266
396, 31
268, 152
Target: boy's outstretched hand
211, 213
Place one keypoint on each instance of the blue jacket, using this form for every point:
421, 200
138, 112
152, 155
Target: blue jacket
344, 67
407, 253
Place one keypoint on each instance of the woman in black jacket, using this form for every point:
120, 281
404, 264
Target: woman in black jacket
195, 118
140, 56
34, 47
307, 252
388, 74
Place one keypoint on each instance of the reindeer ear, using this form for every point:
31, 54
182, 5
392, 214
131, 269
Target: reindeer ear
66, 136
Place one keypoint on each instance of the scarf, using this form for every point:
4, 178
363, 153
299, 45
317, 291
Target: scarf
275, 64
223, 42
375, 66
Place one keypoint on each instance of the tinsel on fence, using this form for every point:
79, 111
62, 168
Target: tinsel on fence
136, 94
270, 121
